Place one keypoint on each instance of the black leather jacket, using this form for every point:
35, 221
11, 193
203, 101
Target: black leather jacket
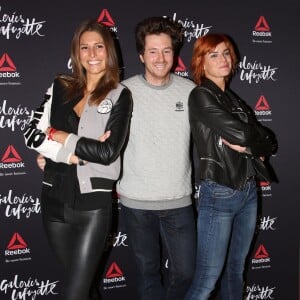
215, 114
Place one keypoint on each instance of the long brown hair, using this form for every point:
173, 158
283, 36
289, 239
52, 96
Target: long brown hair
205, 44
76, 83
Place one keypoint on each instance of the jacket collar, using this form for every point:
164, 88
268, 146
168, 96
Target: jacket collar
209, 84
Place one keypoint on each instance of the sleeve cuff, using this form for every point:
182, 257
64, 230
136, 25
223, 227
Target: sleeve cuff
63, 156
248, 150
71, 142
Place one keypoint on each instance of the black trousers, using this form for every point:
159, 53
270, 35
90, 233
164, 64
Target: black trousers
78, 238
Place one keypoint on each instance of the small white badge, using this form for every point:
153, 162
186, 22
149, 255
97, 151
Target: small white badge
105, 106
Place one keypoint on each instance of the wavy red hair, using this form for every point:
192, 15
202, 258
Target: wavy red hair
205, 44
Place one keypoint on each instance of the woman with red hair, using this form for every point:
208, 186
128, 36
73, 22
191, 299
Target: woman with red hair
230, 145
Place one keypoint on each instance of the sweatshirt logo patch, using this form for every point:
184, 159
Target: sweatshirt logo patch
179, 106
105, 106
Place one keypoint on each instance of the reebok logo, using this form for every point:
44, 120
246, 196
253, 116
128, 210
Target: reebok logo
262, 104
17, 246
262, 28
264, 183
262, 107
261, 252
11, 155
180, 66
106, 19
114, 274
261, 255
11, 159
114, 271
181, 69
179, 106
16, 242
6, 64
7, 67
264, 188
262, 24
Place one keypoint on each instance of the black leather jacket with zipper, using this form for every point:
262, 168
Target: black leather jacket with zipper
215, 114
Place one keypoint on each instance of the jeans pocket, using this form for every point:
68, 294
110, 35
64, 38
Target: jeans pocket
222, 192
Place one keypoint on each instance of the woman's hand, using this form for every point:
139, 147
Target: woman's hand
237, 148
74, 159
105, 136
41, 161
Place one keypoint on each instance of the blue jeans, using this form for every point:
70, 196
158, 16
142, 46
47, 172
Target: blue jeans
226, 224
175, 228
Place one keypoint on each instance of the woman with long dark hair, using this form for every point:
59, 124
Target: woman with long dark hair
81, 128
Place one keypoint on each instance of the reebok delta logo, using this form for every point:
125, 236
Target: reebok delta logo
261, 253
181, 69
11, 155
11, 162
105, 19
6, 64
262, 105
261, 259
114, 271
262, 32
8, 70
114, 277
263, 110
262, 25
16, 247
16, 242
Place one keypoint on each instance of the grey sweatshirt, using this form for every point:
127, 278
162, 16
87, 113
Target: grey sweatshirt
156, 164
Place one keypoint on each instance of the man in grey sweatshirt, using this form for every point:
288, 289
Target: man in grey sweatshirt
155, 188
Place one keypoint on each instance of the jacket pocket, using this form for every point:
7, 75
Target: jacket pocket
54, 184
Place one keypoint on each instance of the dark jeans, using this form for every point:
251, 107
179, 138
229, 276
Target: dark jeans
226, 224
176, 229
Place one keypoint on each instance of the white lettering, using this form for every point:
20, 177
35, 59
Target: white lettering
11, 117
256, 292
18, 206
119, 240
192, 29
255, 72
21, 289
266, 223
16, 26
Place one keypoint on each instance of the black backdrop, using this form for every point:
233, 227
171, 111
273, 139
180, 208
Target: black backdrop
34, 45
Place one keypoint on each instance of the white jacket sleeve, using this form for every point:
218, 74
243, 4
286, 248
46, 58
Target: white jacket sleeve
36, 138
